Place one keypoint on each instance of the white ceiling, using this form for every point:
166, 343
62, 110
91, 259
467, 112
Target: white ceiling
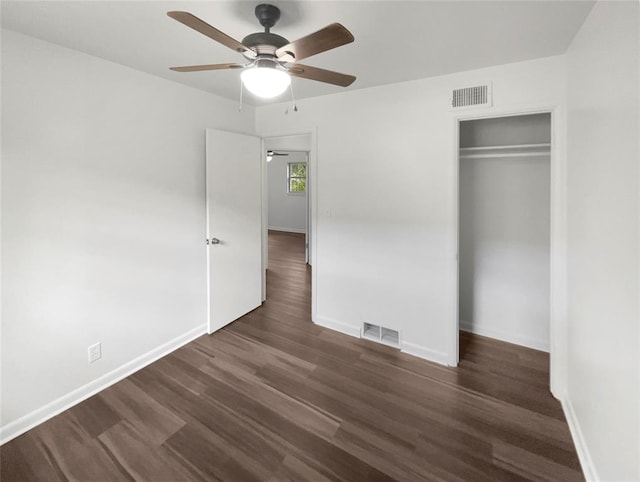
395, 40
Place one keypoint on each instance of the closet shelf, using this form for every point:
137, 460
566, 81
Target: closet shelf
494, 152
513, 146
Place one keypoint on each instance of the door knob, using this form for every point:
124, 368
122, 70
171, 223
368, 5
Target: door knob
215, 241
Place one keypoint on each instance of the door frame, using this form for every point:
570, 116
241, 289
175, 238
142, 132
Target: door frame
312, 200
558, 239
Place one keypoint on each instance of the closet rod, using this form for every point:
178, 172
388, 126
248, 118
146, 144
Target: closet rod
506, 154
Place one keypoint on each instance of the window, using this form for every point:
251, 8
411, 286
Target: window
296, 177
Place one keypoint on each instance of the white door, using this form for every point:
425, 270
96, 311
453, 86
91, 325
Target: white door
234, 226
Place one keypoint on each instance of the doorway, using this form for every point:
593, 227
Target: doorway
288, 220
504, 230
287, 196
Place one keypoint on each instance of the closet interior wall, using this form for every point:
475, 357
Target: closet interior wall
504, 228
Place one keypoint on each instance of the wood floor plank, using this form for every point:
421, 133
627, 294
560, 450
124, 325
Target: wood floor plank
294, 469
150, 417
274, 397
27, 460
137, 458
68, 453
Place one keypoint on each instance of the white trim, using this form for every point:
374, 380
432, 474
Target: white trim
336, 325
207, 230
425, 353
406, 347
453, 334
536, 344
50, 410
558, 341
379, 341
557, 314
586, 462
264, 197
312, 198
288, 230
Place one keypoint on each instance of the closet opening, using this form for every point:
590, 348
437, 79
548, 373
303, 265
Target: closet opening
504, 232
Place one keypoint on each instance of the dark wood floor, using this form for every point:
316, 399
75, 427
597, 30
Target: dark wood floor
273, 397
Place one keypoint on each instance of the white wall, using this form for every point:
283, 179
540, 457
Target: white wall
102, 221
506, 131
504, 249
603, 241
386, 176
287, 211
294, 142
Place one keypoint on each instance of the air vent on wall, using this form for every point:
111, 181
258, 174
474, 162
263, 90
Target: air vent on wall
478, 95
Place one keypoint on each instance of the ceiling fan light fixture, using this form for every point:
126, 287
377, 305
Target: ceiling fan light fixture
271, 56
264, 80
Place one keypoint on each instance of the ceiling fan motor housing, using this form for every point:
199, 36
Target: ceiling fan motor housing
265, 42
267, 15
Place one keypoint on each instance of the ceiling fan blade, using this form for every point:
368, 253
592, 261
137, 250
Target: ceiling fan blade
213, 33
321, 75
328, 38
198, 68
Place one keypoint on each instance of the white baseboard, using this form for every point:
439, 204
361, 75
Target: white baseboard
42, 414
542, 345
340, 326
586, 462
410, 348
288, 230
425, 353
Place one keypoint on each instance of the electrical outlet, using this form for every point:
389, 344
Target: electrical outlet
95, 352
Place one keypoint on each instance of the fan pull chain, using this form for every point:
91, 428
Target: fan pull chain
293, 99
241, 89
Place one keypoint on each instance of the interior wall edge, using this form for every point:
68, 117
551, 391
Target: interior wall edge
558, 343
36, 417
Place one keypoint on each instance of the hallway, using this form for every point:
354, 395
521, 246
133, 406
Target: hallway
288, 278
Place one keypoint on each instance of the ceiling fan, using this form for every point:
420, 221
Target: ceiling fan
272, 154
272, 59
